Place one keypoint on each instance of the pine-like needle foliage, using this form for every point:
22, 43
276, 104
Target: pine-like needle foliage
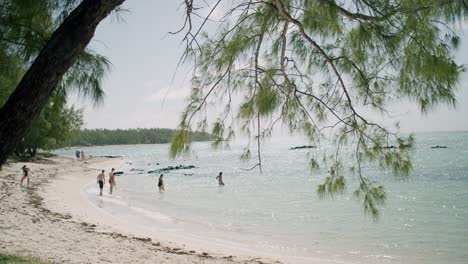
314, 66
26, 25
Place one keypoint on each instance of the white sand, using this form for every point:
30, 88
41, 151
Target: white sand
54, 221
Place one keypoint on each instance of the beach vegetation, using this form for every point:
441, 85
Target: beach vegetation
8, 258
49, 39
25, 27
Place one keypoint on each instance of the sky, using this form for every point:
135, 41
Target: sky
141, 93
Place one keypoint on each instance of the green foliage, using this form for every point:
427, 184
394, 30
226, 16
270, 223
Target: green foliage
100, 137
25, 26
6, 258
332, 186
53, 128
372, 198
316, 66
313, 164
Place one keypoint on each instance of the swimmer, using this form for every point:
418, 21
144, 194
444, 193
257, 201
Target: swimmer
161, 183
220, 179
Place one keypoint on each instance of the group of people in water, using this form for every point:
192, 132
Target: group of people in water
79, 154
101, 178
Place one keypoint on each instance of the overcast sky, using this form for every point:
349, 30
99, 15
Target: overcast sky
144, 60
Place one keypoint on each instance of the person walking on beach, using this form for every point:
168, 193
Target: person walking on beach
161, 183
101, 178
77, 154
220, 179
25, 175
111, 180
82, 155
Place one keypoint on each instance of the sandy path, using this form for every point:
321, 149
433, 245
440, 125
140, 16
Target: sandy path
62, 228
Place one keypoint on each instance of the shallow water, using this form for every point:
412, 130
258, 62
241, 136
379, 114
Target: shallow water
278, 211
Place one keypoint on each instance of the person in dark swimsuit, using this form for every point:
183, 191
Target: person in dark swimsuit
220, 179
111, 180
161, 183
25, 175
101, 178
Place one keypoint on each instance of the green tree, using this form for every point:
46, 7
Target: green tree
25, 27
317, 66
63, 47
53, 128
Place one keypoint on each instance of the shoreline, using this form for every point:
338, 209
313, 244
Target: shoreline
55, 222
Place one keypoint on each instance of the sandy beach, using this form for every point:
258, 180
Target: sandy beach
54, 222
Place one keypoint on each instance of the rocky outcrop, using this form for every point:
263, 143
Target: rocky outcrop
171, 168
302, 147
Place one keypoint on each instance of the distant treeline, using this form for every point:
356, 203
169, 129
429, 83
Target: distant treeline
99, 137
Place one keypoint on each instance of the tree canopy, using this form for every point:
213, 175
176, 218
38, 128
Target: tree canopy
25, 27
317, 67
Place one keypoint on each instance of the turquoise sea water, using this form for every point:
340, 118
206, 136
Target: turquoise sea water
425, 219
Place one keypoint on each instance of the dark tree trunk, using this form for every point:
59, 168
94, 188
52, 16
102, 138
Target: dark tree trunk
55, 58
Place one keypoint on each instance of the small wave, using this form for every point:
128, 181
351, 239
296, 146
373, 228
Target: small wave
117, 200
151, 214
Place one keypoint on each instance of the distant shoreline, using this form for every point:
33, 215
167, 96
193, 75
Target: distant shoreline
103, 137
138, 144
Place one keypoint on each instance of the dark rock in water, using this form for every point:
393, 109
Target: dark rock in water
438, 147
171, 168
302, 147
157, 163
111, 157
118, 173
389, 147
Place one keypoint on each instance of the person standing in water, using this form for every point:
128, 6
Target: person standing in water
82, 155
220, 179
111, 180
77, 154
101, 178
161, 183
25, 175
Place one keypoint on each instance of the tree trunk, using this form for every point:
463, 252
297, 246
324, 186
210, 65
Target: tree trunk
55, 58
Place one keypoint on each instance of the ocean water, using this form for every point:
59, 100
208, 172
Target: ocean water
425, 219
